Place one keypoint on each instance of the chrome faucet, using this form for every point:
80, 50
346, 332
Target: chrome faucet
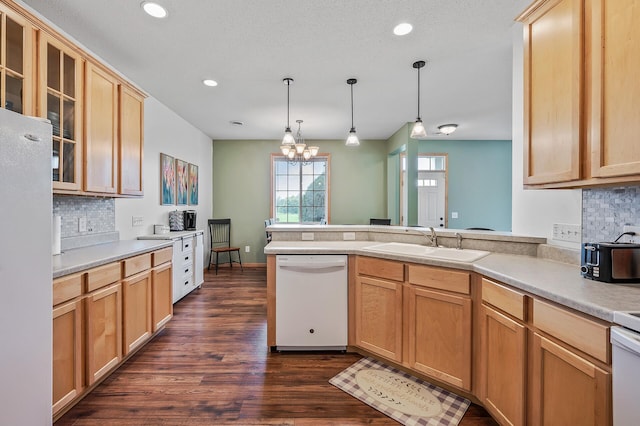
433, 238
459, 242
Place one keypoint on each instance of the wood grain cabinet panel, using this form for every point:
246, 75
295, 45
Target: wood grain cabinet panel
566, 388
553, 84
136, 310
504, 367
378, 306
103, 313
614, 90
101, 121
68, 380
16, 63
440, 335
131, 137
162, 295
380, 268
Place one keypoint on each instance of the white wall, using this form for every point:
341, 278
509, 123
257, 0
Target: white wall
535, 211
166, 132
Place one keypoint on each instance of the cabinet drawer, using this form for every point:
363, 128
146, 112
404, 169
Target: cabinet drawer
187, 258
136, 264
66, 288
510, 301
587, 335
187, 245
162, 256
380, 268
102, 276
441, 279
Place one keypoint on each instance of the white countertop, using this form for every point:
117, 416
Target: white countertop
80, 259
555, 281
171, 235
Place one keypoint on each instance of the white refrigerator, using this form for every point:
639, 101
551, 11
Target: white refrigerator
25, 270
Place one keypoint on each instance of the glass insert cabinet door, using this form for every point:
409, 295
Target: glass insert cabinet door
16, 68
61, 103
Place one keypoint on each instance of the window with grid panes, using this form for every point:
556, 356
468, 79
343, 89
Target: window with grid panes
300, 190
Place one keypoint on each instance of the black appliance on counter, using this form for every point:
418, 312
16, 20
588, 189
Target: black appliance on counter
611, 262
189, 220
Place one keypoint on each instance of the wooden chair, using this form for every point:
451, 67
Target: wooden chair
220, 237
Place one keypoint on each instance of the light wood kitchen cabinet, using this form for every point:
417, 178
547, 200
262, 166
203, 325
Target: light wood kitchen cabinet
131, 141
613, 89
567, 389
504, 366
136, 310
60, 101
378, 307
103, 323
580, 87
553, 81
68, 380
503, 357
16, 62
101, 127
439, 324
162, 295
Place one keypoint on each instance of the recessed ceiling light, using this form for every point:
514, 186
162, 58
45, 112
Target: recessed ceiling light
154, 9
402, 29
210, 83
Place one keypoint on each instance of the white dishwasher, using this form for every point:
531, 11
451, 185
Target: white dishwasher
625, 368
311, 302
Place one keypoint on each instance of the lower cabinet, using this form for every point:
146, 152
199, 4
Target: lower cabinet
378, 307
161, 295
136, 295
504, 354
104, 331
567, 389
102, 315
67, 353
440, 335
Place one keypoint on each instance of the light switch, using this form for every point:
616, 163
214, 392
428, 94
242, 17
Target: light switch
307, 236
454, 215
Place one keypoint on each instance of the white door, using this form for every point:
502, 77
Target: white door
431, 199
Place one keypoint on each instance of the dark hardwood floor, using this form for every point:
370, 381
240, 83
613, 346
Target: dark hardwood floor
210, 366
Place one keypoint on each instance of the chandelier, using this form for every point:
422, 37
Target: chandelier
299, 151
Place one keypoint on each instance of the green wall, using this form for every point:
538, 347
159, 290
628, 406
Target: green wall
241, 186
479, 175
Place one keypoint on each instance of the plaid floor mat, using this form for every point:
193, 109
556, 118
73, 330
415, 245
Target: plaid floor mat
410, 401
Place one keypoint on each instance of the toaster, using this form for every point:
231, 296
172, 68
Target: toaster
611, 262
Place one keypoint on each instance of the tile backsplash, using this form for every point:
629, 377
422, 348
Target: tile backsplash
606, 210
100, 216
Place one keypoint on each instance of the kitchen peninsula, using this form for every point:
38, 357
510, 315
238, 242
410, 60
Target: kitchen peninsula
490, 329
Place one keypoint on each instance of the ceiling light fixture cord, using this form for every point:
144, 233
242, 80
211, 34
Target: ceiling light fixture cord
352, 138
418, 131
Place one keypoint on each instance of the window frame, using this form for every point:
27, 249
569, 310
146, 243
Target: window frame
272, 209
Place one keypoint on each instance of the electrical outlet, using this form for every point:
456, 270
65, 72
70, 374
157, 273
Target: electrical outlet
349, 236
82, 224
634, 238
454, 215
307, 236
567, 232
247, 249
137, 220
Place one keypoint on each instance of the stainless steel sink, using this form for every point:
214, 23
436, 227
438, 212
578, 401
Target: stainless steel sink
444, 253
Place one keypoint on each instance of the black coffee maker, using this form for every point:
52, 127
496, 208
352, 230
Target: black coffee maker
189, 220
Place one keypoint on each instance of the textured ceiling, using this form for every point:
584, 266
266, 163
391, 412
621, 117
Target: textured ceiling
248, 46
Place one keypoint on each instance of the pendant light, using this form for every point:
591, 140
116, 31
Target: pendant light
418, 131
352, 139
288, 138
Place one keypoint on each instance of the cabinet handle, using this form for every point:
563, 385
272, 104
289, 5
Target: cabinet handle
186, 282
312, 331
186, 270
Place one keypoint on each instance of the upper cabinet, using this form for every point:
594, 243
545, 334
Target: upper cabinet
97, 118
101, 121
580, 93
60, 100
16, 62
